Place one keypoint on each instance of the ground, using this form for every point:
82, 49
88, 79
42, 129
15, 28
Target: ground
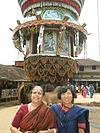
7, 113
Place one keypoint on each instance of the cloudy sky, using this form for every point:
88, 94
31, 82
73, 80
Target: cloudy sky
10, 12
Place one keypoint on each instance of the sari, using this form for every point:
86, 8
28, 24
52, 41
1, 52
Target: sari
91, 91
84, 92
67, 121
42, 118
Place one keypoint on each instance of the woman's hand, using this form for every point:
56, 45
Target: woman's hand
43, 131
14, 129
81, 130
48, 131
29, 132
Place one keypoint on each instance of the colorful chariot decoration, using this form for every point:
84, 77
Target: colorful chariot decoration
50, 38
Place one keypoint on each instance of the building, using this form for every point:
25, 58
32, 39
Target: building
88, 72
10, 78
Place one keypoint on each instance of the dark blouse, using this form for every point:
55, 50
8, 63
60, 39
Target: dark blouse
69, 121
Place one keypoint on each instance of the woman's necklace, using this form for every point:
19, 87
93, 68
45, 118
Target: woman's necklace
32, 107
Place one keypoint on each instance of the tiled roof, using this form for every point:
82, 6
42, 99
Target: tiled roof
88, 62
8, 72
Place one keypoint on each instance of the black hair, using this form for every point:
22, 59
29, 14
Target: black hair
63, 89
49, 87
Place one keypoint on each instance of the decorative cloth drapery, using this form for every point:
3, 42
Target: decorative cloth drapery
53, 69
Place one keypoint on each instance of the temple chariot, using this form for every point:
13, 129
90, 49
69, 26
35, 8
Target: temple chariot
50, 38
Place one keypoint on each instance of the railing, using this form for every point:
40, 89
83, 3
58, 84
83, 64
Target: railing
8, 99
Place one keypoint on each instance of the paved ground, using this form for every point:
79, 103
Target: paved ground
81, 99
94, 116
7, 113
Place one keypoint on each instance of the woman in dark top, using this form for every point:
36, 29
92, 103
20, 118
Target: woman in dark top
70, 118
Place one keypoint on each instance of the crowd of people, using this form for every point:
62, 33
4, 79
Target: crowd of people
64, 117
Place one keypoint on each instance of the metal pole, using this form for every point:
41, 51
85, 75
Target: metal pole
98, 26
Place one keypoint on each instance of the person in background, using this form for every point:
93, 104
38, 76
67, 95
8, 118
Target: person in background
91, 90
70, 118
74, 91
84, 91
34, 117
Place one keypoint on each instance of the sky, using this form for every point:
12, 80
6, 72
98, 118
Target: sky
10, 12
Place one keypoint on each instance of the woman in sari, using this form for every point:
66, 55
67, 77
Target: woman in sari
91, 89
84, 91
70, 118
34, 117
